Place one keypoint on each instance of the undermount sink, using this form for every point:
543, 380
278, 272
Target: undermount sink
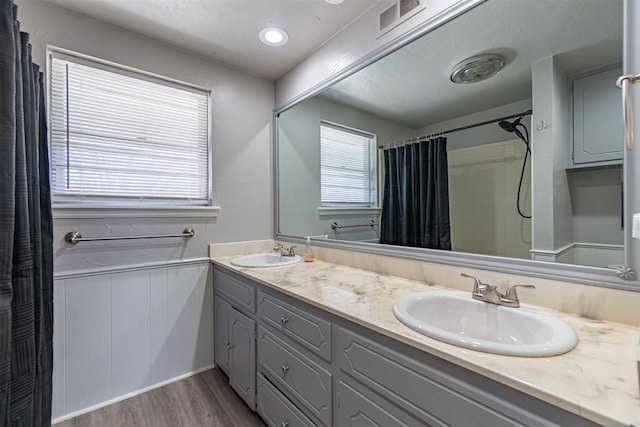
264, 260
460, 320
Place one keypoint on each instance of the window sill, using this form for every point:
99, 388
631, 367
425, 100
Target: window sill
333, 211
111, 211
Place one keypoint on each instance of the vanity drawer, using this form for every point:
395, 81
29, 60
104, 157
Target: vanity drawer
300, 378
276, 410
359, 406
306, 329
408, 384
239, 292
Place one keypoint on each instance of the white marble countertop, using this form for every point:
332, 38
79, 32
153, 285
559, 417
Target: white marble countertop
598, 380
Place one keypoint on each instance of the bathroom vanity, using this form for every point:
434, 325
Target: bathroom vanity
317, 344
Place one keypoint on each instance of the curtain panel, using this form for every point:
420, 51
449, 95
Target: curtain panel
26, 235
415, 208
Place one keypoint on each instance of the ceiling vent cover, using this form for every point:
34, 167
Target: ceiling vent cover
396, 12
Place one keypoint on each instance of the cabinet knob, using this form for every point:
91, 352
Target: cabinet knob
229, 346
285, 368
283, 320
285, 424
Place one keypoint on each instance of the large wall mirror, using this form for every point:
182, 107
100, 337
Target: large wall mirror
530, 159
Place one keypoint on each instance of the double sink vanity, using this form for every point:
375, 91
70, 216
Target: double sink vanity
325, 344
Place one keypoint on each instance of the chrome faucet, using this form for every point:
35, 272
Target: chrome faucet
491, 294
510, 298
284, 251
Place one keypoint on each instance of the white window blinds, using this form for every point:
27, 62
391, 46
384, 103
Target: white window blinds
347, 166
126, 138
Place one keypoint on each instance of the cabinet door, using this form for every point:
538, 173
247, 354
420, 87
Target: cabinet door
221, 334
597, 118
242, 356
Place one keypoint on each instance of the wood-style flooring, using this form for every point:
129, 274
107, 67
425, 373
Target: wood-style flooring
205, 399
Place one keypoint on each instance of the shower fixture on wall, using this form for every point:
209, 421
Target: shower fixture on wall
513, 128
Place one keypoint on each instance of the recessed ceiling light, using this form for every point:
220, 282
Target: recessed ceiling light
273, 36
334, 1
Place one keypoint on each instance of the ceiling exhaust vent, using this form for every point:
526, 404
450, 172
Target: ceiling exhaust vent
396, 12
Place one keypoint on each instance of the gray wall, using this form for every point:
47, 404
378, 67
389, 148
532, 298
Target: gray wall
241, 138
552, 216
299, 157
131, 315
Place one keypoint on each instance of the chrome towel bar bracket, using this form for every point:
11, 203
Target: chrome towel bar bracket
74, 237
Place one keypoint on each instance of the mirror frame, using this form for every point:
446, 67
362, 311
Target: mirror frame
547, 270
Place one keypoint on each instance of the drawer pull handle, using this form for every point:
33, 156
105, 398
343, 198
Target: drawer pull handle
285, 368
285, 424
284, 321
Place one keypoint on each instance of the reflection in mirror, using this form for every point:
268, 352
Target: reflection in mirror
559, 201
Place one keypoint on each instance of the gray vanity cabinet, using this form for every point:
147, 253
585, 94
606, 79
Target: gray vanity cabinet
384, 378
235, 349
234, 333
294, 351
315, 368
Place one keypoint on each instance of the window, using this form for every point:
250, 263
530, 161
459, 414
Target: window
348, 167
125, 137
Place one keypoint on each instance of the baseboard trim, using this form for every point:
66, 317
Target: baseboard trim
129, 395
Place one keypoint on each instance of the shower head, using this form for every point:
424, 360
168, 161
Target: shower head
513, 128
509, 126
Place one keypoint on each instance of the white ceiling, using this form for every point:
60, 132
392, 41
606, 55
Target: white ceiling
412, 86
227, 30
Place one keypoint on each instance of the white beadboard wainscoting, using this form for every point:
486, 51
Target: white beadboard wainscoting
120, 332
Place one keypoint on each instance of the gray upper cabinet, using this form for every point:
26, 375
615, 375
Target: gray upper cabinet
597, 120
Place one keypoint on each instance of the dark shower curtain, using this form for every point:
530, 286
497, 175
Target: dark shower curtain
26, 255
415, 208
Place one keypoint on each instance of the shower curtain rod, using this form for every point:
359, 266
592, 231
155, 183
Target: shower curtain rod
426, 137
